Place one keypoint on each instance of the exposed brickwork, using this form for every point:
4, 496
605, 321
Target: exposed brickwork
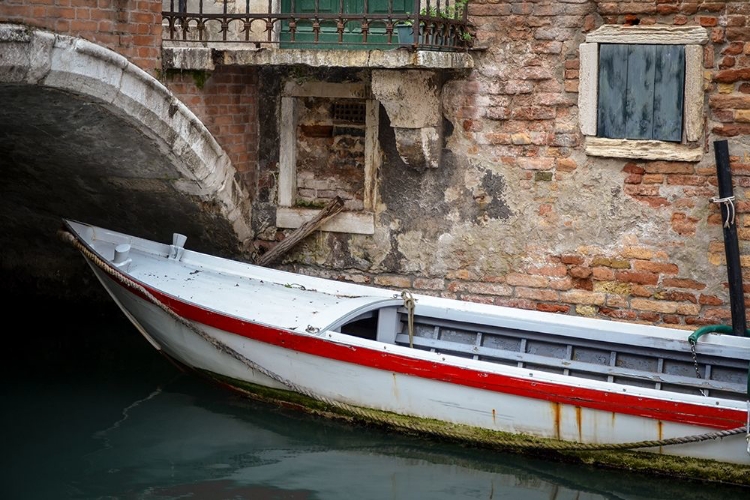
225, 101
130, 27
330, 153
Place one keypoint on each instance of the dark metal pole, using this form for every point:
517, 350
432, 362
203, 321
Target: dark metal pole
731, 243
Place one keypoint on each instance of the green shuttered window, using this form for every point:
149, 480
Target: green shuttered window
641, 91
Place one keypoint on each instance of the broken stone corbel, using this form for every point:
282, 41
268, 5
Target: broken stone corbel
412, 100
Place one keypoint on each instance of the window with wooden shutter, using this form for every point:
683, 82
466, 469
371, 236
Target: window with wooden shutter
641, 91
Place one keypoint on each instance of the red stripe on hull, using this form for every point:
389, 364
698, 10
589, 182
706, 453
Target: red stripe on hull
622, 403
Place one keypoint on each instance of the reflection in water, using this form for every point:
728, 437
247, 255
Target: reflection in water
93, 412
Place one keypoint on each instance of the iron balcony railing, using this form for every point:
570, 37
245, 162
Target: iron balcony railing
321, 24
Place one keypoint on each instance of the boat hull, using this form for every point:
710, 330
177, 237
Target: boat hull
603, 392
356, 389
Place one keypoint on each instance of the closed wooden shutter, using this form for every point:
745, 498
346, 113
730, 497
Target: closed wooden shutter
641, 91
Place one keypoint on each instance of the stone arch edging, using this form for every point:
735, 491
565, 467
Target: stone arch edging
37, 57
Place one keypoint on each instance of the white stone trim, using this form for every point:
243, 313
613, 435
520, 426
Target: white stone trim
643, 150
373, 158
190, 55
588, 87
666, 35
288, 152
694, 94
344, 222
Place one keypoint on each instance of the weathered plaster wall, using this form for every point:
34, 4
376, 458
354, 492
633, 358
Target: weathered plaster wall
517, 214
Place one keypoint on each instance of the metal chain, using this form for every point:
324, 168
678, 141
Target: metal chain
695, 362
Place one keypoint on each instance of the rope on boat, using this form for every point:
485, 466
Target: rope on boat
409, 304
421, 426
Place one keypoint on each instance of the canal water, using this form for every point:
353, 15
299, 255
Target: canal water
91, 411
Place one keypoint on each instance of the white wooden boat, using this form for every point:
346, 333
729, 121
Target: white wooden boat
605, 392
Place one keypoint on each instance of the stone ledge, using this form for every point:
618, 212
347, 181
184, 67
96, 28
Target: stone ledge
642, 150
656, 34
203, 56
344, 222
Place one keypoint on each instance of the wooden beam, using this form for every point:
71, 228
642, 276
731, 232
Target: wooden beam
329, 211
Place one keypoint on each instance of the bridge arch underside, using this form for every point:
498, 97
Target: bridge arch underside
75, 148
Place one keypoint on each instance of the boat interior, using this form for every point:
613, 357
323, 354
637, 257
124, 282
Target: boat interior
606, 360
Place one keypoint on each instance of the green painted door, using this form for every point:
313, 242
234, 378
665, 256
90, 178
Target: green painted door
329, 37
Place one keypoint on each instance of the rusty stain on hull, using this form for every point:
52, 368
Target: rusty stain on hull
579, 423
557, 417
660, 429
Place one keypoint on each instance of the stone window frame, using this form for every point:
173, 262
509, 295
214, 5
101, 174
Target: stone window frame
287, 215
691, 147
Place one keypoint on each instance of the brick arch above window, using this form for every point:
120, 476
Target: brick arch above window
690, 146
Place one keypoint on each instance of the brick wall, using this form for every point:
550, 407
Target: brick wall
225, 101
130, 27
528, 119
330, 154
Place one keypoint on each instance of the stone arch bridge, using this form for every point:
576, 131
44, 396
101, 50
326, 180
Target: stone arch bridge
87, 135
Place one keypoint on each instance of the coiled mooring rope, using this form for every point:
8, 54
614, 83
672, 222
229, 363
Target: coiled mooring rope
444, 430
